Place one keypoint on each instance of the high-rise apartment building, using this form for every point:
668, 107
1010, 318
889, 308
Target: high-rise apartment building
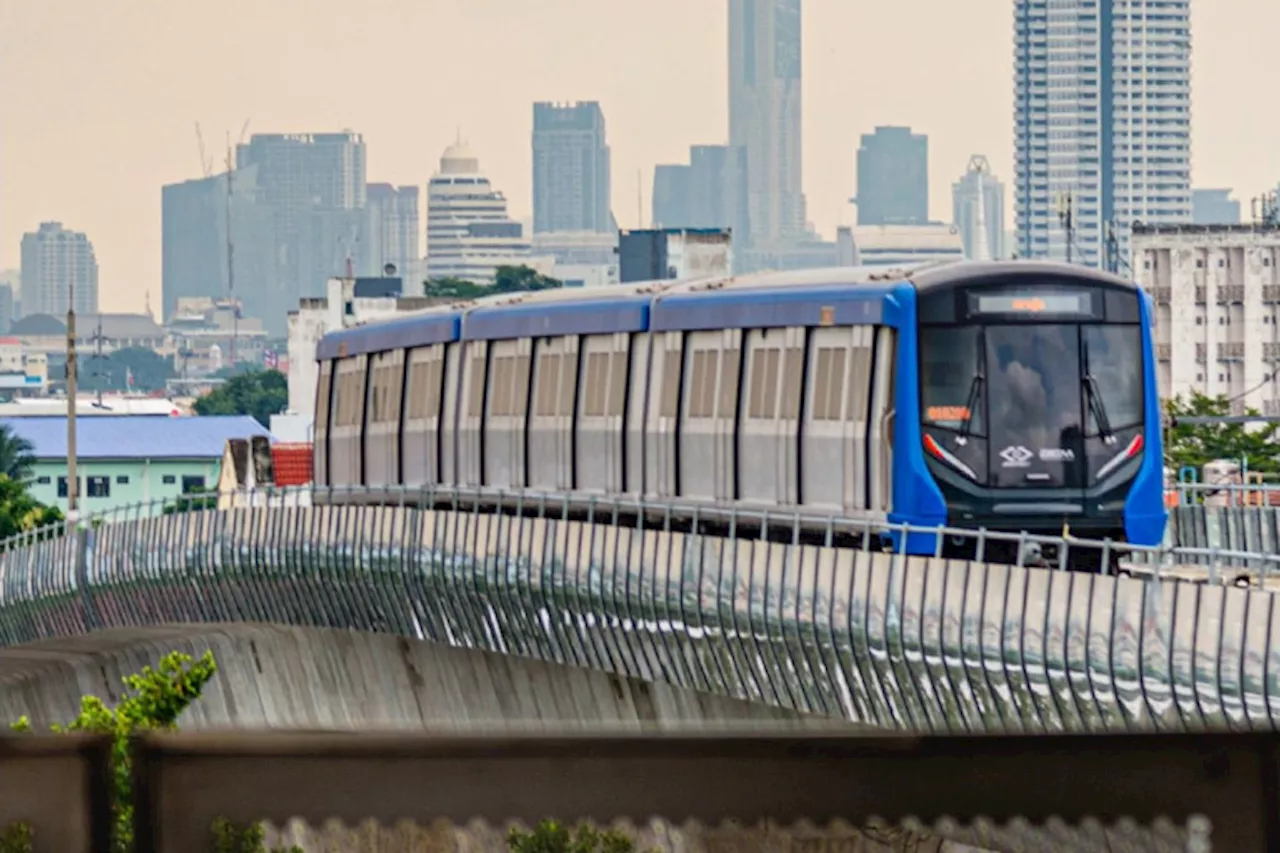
977, 203
394, 226
58, 268
193, 243
709, 192
765, 117
315, 186
469, 231
1216, 290
1214, 207
1102, 106
571, 168
893, 177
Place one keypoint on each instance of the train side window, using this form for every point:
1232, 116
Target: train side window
793, 381
475, 405
763, 401
520, 384
618, 383
549, 380
702, 393
730, 365
322, 395
670, 382
593, 405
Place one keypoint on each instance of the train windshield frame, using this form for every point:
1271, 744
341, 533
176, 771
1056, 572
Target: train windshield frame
1034, 387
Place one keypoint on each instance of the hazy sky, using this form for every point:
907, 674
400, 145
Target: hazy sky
99, 98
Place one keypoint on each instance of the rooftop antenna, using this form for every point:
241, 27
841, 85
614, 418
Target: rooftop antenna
98, 340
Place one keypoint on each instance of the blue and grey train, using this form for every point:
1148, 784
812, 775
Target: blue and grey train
1014, 395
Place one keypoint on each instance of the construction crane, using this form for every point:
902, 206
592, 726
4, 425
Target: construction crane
206, 163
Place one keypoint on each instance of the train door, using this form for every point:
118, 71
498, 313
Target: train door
601, 402
837, 394
708, 420
345, 467
770, 422
551, 423
420, 439
382, 431
634, 386
324, 405
506, 411
473, 364
881, 421
663, 430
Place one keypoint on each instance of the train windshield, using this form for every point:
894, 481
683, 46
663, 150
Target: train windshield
1031, 404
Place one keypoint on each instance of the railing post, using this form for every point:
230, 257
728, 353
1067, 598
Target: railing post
83, 533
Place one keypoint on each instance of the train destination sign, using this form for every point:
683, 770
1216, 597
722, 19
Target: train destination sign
1035, 303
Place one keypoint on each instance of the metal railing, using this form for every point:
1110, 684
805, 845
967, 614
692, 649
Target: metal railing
907, 643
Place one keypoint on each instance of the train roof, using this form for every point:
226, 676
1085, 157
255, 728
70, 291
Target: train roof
767, 299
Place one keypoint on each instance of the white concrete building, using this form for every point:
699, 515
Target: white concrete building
896, 245
1216, 290
57, 263
977, 205
469, 231
1102, 110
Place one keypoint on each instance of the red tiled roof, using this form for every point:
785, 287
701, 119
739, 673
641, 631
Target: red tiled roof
292, 463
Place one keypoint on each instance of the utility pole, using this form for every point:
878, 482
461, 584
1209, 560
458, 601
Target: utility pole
72, 476
1066, 217
231, 273
98, 340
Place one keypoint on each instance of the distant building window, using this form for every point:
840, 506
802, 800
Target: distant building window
44, 481
62, 487
122, 480
169, 479
99, 487
192, 484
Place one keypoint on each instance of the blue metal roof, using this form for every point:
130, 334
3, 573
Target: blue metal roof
772, 308
134, 436
588, 317
401, 333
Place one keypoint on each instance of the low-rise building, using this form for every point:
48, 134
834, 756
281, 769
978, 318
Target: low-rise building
1216, 290
125, 460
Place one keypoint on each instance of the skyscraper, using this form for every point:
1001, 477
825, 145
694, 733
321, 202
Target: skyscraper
469, 231
571, 168
764, 114
1115, 89
1214, 207
979, 187
315, 186
893, 177
393, 230
193, 243
670, 205
57, 263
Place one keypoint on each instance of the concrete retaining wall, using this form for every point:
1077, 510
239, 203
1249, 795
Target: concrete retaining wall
323, 679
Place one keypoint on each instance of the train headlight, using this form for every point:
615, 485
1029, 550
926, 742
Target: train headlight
937, 450
1132, 449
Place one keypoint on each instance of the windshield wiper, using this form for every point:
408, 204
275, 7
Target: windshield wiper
971, 403
1093, 398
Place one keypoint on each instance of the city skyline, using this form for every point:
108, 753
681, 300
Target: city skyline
110, 102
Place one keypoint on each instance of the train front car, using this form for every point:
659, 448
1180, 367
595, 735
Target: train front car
1037, 402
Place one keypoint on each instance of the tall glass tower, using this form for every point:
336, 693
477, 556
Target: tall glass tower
764, 113
1102, 117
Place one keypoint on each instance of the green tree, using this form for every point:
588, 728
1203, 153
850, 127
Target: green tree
17, 455
20, 512
1197, 444
506, 279
153, 700
261, 393
509, 279
551, 836
149, 370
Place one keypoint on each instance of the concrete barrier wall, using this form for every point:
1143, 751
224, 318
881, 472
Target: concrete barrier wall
271, 676
916, 644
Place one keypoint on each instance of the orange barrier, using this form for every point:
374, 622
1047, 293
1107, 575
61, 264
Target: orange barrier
292, 463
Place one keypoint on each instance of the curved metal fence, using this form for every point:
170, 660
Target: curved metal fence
910, 643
